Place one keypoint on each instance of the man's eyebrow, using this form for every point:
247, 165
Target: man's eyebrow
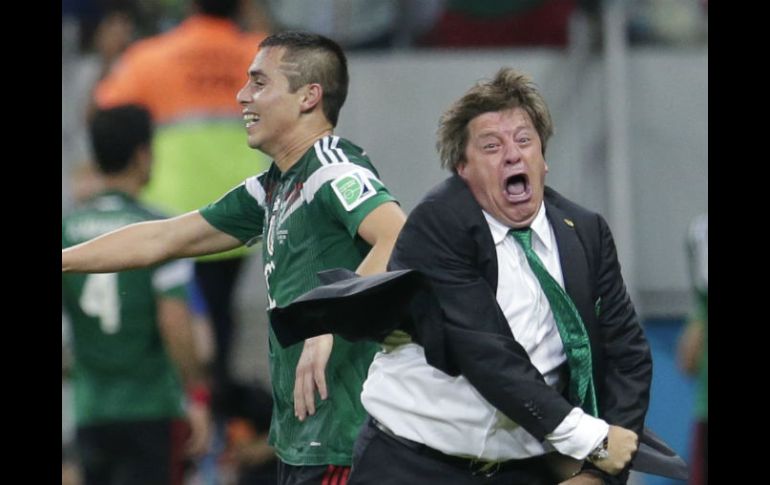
525, 127
498, 133
489, 134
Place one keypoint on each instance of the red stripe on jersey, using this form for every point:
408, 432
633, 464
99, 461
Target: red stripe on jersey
327, 476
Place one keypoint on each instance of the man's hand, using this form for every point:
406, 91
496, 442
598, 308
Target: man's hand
622, 444
690, 347
584, 478
311, 374
199, 417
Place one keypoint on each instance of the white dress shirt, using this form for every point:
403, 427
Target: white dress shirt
421, 403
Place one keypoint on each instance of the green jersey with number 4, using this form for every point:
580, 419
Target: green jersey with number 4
309, 217
121, 370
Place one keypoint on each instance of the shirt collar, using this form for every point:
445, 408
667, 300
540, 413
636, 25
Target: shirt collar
539, 227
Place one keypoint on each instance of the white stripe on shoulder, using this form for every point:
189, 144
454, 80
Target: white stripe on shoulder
339, 151
328, 173
328, 152
173, 274
320, 153
255, 189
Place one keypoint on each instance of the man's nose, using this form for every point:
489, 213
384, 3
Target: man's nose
512, 154
242, 96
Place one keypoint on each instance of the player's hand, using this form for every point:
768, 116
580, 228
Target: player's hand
199, 417
690, 347
311, 374
622, 444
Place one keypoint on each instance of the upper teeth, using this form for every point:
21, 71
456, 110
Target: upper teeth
250, 117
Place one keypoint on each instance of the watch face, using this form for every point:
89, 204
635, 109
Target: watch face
600, 452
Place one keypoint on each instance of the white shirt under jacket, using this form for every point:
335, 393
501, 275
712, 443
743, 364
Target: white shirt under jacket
423, 404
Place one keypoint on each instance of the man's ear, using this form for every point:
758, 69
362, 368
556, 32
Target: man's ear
312, 95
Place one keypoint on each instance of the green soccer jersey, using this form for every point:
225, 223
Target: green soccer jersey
310, 217
121, 370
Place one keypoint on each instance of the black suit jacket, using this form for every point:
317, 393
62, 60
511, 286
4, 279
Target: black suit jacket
447, 238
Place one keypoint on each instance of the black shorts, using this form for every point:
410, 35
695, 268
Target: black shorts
147, 452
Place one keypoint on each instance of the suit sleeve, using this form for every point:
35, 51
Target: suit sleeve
625, 394
472, 336
625, 391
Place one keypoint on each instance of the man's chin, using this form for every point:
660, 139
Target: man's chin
520, 219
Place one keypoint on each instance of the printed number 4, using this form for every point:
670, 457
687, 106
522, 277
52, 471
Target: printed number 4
100, 299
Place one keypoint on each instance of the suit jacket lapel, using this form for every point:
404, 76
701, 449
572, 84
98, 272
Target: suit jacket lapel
574, 264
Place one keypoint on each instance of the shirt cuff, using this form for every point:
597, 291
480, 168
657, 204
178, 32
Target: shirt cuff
578, 434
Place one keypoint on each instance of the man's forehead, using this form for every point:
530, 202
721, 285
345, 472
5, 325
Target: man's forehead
264, 55
517, 117
272, 58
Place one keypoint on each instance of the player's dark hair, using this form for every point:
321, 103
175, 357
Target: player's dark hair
116, 134
319, 60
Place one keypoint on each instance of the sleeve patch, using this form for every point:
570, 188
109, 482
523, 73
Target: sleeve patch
352, 189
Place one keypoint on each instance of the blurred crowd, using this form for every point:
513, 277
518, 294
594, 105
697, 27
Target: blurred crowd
96, 32
389, 24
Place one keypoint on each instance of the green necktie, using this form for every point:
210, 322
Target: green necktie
573, 333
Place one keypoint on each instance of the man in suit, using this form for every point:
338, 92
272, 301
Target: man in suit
499, 392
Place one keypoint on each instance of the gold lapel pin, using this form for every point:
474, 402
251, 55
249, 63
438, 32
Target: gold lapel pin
569, 222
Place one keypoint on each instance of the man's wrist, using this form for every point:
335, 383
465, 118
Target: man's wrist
600, 452
199, 394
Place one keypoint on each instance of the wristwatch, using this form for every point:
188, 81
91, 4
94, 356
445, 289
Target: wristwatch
600, 452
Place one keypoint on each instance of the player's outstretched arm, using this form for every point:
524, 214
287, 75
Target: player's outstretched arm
147, 243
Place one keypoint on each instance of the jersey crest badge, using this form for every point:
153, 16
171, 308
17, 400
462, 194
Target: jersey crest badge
352, 189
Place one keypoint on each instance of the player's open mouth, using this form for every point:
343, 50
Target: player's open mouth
251, 119
517, 188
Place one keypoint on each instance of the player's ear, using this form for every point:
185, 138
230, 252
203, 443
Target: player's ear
312, 94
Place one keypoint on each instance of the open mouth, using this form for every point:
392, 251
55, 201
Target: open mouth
517, 188
250, 120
